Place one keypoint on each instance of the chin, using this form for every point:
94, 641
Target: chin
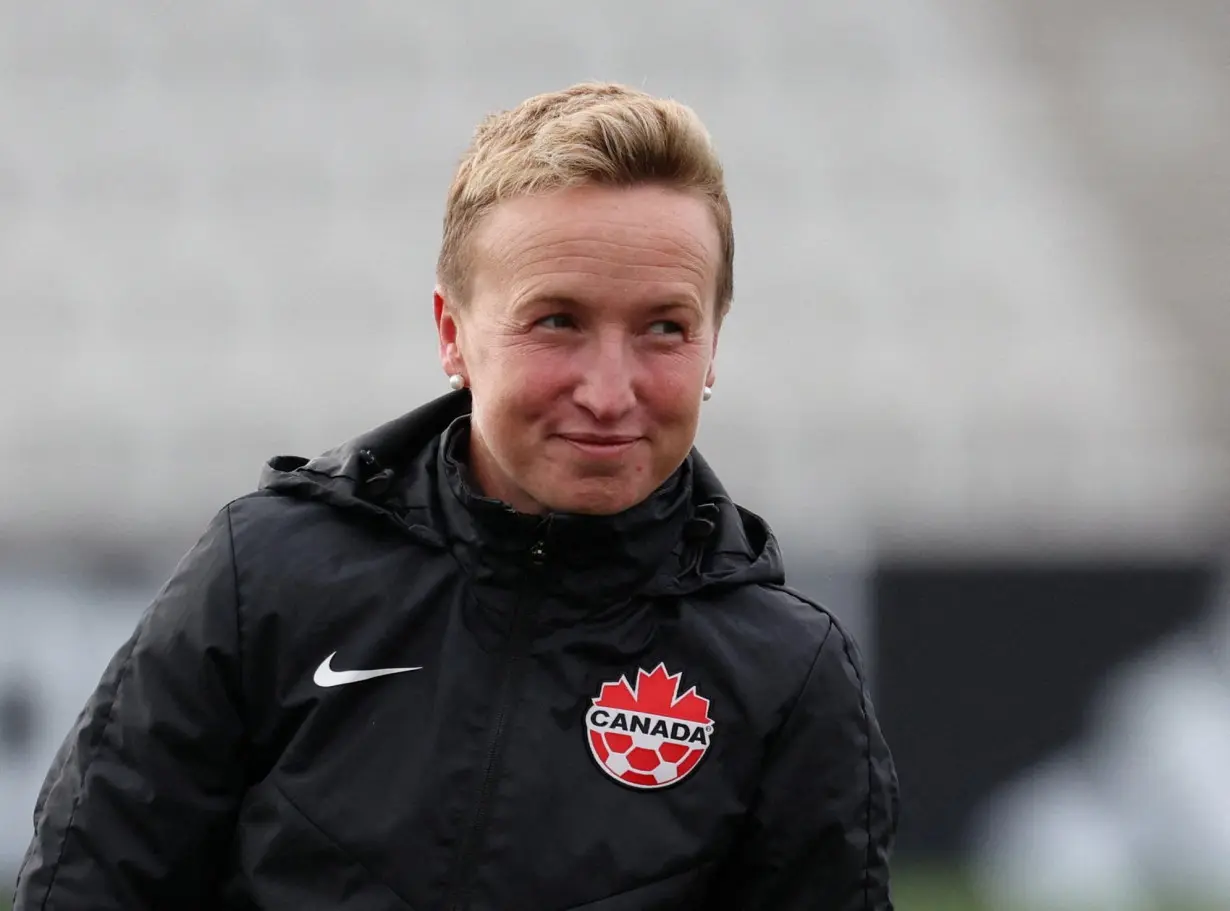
593, 499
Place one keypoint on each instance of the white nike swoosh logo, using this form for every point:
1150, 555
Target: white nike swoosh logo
327, 676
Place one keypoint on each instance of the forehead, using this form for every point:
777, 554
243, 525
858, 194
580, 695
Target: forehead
596, 240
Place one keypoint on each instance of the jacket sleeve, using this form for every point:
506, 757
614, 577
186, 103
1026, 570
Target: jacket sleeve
825, 817
139, 806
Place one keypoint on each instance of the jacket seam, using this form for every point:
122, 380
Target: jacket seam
774, 737
336, 847
776, 746
811, 672
862, 690
239, 650
656, 881
95, 745
772, 750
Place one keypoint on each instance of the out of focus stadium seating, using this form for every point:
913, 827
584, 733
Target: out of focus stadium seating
220, 222
981, 309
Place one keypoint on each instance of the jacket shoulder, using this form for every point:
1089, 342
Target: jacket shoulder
266, 524
778, 616
780, 639
265, 512
287, 551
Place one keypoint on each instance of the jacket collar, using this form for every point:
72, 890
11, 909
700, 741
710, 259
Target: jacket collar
409, 475
581, 556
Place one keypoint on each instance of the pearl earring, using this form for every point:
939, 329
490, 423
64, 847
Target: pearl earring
456, 382
707, 394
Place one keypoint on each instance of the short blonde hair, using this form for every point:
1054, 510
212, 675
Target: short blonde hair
591, 133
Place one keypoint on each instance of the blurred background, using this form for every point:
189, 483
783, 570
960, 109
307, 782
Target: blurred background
977, 373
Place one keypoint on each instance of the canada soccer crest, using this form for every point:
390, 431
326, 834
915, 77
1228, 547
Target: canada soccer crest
648, 736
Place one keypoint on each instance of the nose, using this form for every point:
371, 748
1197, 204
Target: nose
607, 389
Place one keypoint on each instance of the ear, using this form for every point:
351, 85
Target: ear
449, 331
711, 376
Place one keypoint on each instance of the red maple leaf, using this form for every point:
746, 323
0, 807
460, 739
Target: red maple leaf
656, 693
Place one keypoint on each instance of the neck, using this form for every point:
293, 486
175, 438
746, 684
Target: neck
491, 482
588, 557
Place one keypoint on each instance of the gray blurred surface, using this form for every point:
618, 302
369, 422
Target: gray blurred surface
981, 304
981, 282
1136, 809
56, 640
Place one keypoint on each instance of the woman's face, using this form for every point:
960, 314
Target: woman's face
587, 340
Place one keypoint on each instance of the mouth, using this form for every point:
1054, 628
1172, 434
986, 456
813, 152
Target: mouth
598, 444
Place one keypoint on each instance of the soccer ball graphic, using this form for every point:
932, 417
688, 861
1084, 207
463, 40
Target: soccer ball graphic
648, 736
644, 754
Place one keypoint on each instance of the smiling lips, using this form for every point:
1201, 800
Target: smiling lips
595, 444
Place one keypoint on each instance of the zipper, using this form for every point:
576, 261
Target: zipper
510, 686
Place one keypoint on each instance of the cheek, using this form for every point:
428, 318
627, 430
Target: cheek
528, 380
673, 385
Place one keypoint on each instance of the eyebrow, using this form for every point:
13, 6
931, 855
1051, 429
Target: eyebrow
572, 303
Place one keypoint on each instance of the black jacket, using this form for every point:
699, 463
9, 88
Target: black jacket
612, 713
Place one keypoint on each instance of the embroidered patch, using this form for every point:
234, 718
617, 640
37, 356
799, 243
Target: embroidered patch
648, 736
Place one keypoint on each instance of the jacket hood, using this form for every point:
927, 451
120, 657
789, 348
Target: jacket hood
411, 473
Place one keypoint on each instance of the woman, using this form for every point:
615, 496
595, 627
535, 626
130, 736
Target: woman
517, 649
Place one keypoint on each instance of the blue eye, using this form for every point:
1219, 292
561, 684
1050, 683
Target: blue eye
557, 321
666, 327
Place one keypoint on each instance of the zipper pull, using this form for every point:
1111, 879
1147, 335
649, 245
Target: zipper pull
538, 550
538, 553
